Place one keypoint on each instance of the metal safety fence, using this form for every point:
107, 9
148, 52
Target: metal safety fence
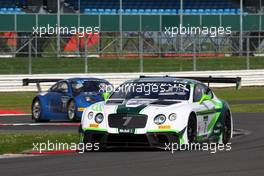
138, 52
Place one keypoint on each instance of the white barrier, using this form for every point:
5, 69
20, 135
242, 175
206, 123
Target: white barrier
12, 83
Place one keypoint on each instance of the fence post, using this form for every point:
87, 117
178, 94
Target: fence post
248, 50
121, 27
85, 55
29, 57
58, 23
141, 52
241, 29
194, 56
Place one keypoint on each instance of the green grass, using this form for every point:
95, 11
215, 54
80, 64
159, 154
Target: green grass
247, 108
16, 100
104, 65
22, 100
245, 93
19, 143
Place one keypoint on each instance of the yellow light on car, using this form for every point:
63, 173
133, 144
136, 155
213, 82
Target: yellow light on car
81, 109
92, 125
162, 127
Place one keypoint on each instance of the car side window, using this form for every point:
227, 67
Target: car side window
199, 91
62, 87
54, 88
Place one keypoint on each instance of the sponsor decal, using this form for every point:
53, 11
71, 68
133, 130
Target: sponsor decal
97, 107
126, 131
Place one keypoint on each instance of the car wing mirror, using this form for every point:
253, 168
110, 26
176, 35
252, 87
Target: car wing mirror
205, 98
106, 95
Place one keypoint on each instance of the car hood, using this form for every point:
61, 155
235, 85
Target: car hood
93, 95
148, 102
135, 106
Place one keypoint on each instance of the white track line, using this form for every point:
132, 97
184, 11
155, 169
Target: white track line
5, 156
6, 115
39, 124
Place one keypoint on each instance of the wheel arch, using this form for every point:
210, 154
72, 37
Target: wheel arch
34, 99
43, 104
41, 100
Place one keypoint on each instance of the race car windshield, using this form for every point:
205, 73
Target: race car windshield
88, 86
157, 90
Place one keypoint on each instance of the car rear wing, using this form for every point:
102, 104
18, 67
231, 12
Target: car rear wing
27, 81
208, 80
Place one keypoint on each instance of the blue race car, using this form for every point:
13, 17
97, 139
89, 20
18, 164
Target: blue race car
66, 99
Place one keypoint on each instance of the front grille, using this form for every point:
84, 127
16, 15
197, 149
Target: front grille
127, 120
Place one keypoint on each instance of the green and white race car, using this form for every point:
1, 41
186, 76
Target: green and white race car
152, 111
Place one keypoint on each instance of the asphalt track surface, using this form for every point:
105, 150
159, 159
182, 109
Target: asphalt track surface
245, 158
24, 123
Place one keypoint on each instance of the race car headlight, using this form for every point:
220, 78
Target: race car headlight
159, 119
99, 118
90, 115
172, 117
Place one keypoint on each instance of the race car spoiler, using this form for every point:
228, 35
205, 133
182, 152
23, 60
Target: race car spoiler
27, 81
208, 80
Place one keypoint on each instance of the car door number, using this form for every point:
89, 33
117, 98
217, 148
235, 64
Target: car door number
205, 120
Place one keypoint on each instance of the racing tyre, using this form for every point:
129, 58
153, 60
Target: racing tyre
192, 129
227, 127
71, 111
36, 110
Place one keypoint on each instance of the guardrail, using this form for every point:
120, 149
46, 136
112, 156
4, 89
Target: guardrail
13, 83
